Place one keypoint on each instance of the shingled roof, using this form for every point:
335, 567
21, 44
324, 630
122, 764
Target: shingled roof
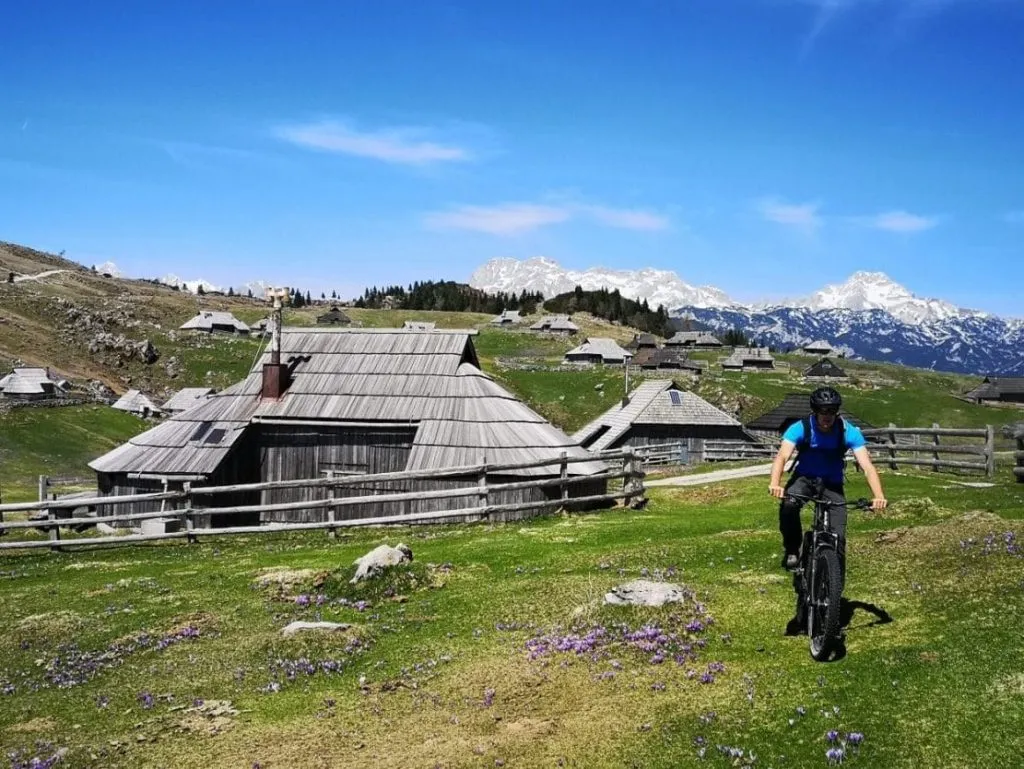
136, 402
655, 402
429, 380
994, 388
208, 320
607, 349
186, 398
794, 407
825, 369
31, 381
665, 358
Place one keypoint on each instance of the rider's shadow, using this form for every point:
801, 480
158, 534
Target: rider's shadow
847, 608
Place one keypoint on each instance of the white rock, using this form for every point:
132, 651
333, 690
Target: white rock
300, 625
642, 592
378, 559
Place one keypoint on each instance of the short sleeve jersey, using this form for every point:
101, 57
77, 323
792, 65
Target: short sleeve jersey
820, 458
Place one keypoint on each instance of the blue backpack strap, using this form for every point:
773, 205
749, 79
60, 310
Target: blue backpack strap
805, 442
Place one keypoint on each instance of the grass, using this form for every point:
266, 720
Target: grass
441, 674
57, 442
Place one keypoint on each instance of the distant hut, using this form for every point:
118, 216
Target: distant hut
135, 402
643, 342
598, 350
794, 407
186, 398
32, 384
419, 325
215, 322
658, 412
353, 401
260, 328
695, 339
749, 359
667, 359
556, 324
819, 347
333, 317
507, 318
825, 371
998, 389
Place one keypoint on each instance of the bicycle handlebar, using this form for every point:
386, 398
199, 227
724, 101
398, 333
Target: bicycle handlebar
861, 504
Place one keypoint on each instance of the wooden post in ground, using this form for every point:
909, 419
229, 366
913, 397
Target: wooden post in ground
935, 450
483, 499
332, 511
190, 523
990, 451
892, 448
563, 473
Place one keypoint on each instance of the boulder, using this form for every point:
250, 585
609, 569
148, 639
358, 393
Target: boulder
378, 559
299, 625
643, 592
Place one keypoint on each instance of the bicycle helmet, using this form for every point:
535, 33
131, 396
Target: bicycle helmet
825, 398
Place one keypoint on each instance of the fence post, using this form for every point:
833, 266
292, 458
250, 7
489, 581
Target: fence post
332, 532
483, 497
935, 450
44, 483
990, 451
190, 523
563, 472
892, 448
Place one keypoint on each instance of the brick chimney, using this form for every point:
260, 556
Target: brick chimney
275, 373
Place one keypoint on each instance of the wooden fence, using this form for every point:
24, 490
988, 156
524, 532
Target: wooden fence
978, 457
1018, 455
184, 509
737, 450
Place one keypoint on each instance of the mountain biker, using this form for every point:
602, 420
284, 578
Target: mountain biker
820, 456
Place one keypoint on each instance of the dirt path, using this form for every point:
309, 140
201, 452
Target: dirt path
699, 479
37, 276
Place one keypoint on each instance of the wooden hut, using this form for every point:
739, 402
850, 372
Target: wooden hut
353, 401
695, 339
556, 324
507, 318
215, 322
333, 317
749, 359
825, 371
135, 402
659, 412
598, 350
32, 384
642, 342
794, 407
998, 389
667, 359
818, 347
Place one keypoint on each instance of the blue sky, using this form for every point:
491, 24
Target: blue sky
763, 146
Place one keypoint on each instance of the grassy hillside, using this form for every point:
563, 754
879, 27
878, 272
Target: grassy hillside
172, 655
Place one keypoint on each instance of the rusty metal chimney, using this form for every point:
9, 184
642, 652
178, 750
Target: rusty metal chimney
275, 373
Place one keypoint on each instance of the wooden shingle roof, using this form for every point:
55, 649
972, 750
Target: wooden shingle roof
655, 402
825, 368
430, 380
207, 319
992, 387
793, 407
608, 349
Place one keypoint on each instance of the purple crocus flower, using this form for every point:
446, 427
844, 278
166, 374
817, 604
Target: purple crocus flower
835, 755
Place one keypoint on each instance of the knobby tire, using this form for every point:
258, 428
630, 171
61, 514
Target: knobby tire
826, 593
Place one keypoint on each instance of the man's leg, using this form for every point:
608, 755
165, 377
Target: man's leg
789, 516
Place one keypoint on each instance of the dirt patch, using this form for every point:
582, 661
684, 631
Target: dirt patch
47, 724
208, 717
944, 534
283, 580
54, 624
698, 495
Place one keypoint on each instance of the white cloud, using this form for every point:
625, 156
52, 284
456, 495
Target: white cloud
901, 221
391, 145
515, 218
505, 219
800, 215
626, 218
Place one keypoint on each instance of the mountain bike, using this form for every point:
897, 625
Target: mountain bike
818, 580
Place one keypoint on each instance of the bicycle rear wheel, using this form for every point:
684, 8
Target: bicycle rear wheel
825, 599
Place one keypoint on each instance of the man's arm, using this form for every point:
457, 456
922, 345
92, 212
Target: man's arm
871, 474
783, 455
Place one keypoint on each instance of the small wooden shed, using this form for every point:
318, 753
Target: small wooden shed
998, 389
333, 317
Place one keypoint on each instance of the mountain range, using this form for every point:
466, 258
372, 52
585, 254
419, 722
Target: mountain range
869, 316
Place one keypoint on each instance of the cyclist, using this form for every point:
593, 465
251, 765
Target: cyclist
822, 439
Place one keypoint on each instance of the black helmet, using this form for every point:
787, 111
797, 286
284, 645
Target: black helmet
825, 398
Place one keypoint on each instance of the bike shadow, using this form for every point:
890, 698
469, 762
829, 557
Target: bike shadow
847, 608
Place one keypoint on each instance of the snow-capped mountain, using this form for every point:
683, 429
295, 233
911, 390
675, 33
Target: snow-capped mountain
966, 344
109, 268
548, 277
868, 316
189, 285
876, 291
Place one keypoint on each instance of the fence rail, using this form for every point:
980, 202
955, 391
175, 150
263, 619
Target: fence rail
903, 440
60, 512
736, 450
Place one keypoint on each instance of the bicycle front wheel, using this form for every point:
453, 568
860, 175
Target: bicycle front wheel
826, 596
